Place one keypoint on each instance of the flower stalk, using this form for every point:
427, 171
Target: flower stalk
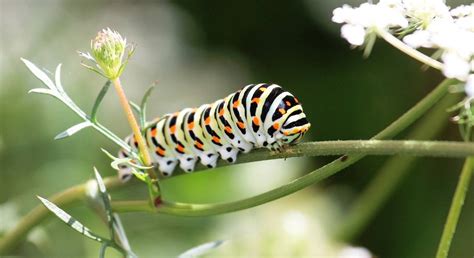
145, 155
456, 207
413, 53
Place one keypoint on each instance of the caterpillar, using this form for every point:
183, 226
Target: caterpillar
257, 116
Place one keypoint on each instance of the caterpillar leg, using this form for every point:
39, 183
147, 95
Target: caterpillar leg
209, 159
167, 165
229, 153
124, 172
187, 162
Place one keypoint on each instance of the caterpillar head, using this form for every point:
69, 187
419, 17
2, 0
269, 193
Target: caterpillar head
295, 126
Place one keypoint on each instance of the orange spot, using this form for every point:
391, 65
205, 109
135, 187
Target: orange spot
207, 121
255, 100
160, 151
198, 145
262, 89
286, 133
153, 132
256, 121
296, 100
296, 130
276, 126
221, 112
216, 139
235, 104
228, 129
180, 148
282, 111
288, 103
173, 129
241, 125
191, 125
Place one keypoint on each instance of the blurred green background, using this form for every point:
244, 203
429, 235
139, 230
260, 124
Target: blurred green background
200, 51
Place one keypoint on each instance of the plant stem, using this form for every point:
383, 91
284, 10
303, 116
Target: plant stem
371, 200
13, 237
456, 207
392, 40
134, 125
367, 147
315, 176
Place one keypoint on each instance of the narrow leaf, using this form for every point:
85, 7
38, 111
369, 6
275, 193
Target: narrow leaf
122, 237
140, 175
143, 106
201, 249
135, 107
44, 91
57, 78
105, 199
87, 56
100, 182
102, 249
72, 130
69, 220
99, 99
112, 157
93, 69
39, 74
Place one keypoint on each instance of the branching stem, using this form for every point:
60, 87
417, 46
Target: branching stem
13, 237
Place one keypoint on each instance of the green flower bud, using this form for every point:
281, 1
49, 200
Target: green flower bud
108, 49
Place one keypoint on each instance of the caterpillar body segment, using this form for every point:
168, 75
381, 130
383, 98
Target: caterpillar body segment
259, 115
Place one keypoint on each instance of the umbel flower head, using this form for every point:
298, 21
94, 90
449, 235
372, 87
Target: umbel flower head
108, 51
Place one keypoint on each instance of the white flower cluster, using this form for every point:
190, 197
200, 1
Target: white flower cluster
427, 24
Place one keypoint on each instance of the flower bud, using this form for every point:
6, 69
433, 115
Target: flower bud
108, 49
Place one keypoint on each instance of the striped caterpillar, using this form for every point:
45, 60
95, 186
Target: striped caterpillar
259, 115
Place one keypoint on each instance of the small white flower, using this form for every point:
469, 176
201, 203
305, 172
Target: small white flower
469, 87
462, 11
419, 38
454, 66
368, 18
342, 14
456, 43
464, 17
424, 11
354, 34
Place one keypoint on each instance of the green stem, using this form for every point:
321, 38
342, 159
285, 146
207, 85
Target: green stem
456, 207
315, 176
370, 201
366, 147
